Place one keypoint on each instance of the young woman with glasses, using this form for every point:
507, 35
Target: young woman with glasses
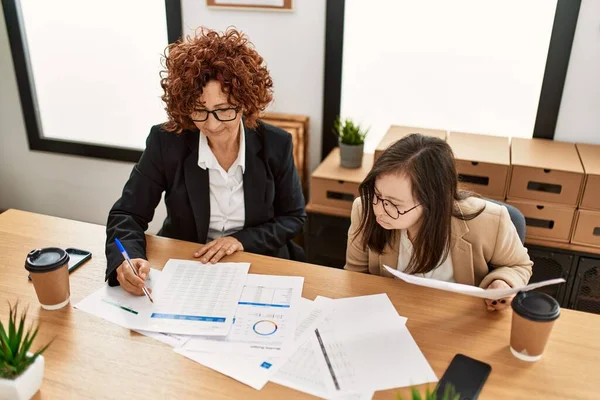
412, 216
229, 180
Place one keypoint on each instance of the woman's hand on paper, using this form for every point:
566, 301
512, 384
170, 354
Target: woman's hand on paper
218, 248
131, 283
501, 304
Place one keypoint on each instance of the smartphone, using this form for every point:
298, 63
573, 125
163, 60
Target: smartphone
76, 258
467, 375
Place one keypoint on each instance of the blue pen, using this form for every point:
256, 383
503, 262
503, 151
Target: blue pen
126, 257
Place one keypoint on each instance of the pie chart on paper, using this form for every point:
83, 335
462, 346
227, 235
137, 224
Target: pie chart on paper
265, 327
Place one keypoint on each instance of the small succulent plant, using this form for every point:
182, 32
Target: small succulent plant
15, 344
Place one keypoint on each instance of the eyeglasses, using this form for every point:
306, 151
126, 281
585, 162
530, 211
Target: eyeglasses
391, 209
222, 114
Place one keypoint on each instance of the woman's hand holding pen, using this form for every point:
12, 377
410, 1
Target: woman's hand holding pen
131, 283
218, 248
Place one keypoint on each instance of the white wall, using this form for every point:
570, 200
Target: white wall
579, 116
85, 189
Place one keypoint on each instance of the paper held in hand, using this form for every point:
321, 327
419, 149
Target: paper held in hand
491, 294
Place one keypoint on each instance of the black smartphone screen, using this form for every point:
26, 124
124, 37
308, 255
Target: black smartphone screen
76, 258
467, 375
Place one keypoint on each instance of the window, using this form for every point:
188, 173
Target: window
88, 72
466, 65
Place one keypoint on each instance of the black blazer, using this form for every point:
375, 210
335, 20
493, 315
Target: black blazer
272, 196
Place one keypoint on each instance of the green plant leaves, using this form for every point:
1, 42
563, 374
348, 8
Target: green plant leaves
449, 394
15, 343
348, 132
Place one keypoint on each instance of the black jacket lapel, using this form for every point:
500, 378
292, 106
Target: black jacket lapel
196, 180
255, 176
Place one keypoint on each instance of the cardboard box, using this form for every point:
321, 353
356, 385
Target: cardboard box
546, 221
334, 186
397, 132
545, 171
587, 228
482, 162
590, 158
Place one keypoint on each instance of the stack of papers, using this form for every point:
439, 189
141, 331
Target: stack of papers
362, 347
189, 299
258, 328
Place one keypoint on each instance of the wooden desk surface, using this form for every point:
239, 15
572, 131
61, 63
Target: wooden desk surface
94, 358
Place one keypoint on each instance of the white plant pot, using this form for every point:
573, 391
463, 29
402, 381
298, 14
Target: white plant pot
26, 385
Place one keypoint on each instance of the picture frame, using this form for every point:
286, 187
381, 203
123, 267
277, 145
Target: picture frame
269, 5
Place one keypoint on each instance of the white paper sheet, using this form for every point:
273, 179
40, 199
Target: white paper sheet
362, 347
265, 319
190, 298
491, 294
115, 305
255, 371
171, 339
306, 371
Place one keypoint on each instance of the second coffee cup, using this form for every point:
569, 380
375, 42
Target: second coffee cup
534, 314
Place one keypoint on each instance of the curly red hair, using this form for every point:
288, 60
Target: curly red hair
228, 57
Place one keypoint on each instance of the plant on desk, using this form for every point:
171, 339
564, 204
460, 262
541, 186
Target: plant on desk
351, 138
449, 394
21, 371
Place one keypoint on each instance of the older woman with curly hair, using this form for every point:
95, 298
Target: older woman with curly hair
229, 179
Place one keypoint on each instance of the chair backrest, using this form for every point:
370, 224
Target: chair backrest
516, 217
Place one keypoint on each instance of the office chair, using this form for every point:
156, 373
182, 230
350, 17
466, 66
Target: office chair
516, 217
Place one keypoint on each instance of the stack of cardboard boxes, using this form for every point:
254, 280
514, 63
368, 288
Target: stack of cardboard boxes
556, 185
587, 218
482, 163
397, 132
545, 186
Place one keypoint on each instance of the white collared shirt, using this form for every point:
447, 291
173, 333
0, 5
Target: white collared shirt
227, 208
443, 272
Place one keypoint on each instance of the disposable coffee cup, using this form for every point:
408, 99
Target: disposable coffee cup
49, 270
534, 314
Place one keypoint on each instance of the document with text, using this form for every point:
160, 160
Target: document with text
363, 346
255, 371
190, 298
265, 319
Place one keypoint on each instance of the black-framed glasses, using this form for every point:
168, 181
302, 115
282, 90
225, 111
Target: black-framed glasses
221, 114
390, 208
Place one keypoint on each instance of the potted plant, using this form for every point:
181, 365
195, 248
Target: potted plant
21, 371
352, 141
449, 394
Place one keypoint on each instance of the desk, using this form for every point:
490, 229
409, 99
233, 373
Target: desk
94, 358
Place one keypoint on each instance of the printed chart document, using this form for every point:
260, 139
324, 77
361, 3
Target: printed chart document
492, 294
363, 346
115, 305
265, 319
190, 298
255, 371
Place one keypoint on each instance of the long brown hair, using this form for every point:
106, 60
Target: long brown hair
429, 164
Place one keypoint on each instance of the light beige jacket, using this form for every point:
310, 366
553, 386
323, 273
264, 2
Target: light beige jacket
488, 239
